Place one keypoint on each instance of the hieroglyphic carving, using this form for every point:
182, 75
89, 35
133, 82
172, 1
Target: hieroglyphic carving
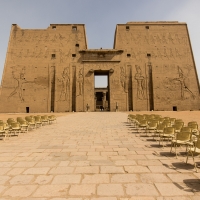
65, 80
122, 77
140, 83
20, 82
80, 81
183, 85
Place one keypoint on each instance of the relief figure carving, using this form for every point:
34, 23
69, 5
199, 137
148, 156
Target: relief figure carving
80, 81
140, 83
19, 87
122, 77
183, 85
65, 80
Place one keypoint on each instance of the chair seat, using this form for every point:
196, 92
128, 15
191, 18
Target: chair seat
197, 150
167, 135
182, 142
16, 128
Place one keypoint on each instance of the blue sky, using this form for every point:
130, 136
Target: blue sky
99, 16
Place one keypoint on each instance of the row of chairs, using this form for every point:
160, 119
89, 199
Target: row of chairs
22, 125
170, 129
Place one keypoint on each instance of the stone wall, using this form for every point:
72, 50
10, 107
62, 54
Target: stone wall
151, 67
163, 68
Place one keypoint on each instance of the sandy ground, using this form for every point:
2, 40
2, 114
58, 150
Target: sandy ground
185, 115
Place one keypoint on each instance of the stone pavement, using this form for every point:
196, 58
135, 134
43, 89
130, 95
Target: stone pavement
92, 156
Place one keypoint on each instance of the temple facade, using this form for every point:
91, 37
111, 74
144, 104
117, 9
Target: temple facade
151, 67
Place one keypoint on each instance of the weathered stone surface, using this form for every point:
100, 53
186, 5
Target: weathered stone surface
110, 190
96, 178
124, 178
171, 189
21, 179
140, 189
20, 191
139, 74
83, 190
51, 191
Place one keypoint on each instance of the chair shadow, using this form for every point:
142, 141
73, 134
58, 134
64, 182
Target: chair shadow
182, 165
193, 184
167, 154
155, 146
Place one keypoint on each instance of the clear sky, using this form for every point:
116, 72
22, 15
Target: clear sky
99, 16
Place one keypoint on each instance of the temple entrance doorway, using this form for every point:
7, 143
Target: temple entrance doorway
101, 90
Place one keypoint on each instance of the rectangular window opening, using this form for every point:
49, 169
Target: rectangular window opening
147, 27
27, 109
128, 55
54, 27
74, 28
53, 56
174, 108
127, 28
148, 55
73, 55
77, 45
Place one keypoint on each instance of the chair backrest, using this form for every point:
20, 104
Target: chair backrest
177, 127
1, 127
167, 123
15, 125
193, 126
153, 124
143, 122
179, 123
161, 127
172, 120
29, 119
183, 136
19, 119
166, 118
192, 122
178, 120
5, 125
169, 130
10, 120
186, 129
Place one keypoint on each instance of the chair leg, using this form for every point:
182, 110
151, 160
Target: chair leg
171, 147
187, 156
175, 150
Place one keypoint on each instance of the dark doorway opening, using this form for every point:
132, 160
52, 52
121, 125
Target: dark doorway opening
101, 90
174, 108
27, 109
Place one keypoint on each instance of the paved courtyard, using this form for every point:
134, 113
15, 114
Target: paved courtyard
93, 156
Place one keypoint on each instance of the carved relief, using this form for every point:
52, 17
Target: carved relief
80, 81
140, 83
122, 77
65, 80
183, 86
20, 82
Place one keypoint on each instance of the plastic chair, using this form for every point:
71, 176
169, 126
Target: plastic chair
168, 133
194, 151
182, 138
